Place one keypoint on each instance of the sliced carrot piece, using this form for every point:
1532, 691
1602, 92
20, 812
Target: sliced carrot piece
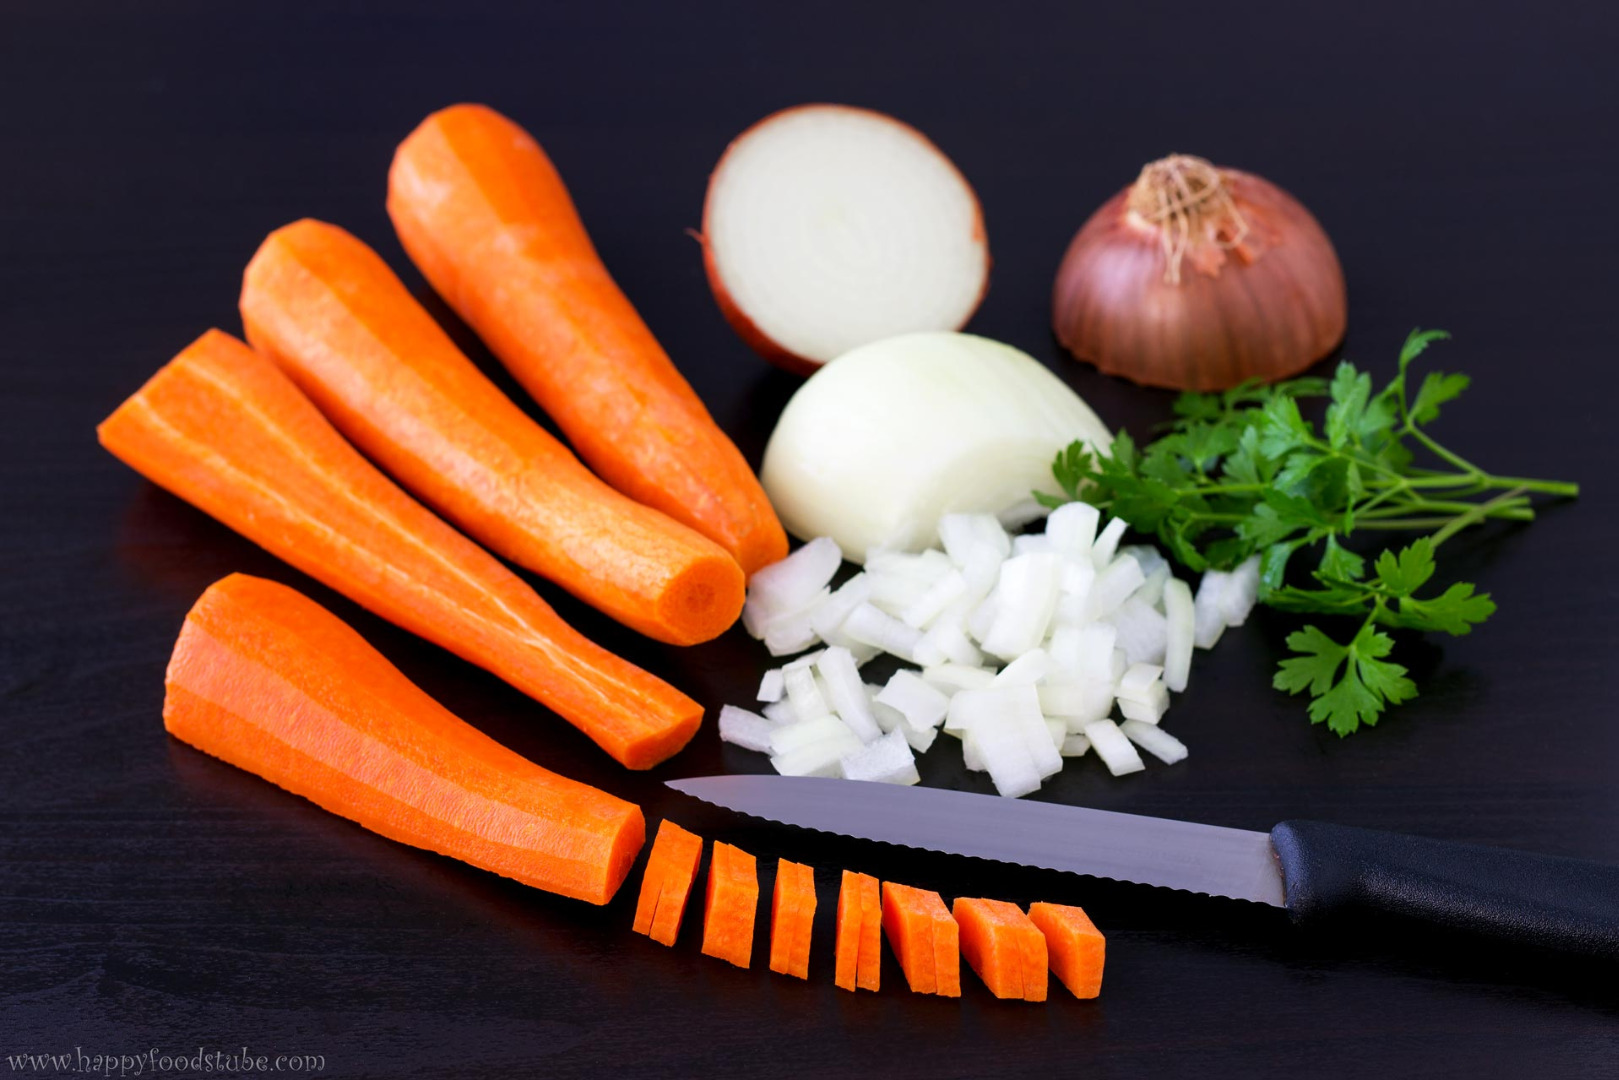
792, 911
1004, 946
851, 917
1077, 949
869, 967
226, 430
485, 217
946, 951
670, 871
908, 921
268, 680
732, 902
327, 309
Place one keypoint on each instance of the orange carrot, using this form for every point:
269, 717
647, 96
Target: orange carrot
224, 429
666, 883
908, 922
851, 913
1077, 949
1004, 946
732, 902
792, 912
946, 950
328, 310
485, 217
266, 679
869, 968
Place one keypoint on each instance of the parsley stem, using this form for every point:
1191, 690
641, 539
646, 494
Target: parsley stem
1477, 514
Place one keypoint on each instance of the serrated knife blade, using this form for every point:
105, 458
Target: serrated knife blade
1170, 854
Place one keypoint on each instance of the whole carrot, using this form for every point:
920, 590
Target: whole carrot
328, 310
224, 429
484, 215
270, 681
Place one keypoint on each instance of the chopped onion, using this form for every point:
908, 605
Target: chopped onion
780, 712
772, 686
804, 692
1208, 620
1071, 529
887, 760
1113, 748
1026, 670
921, 704
847, 692
1107, 543
1240, 593
957, 677
872, 626
1180, 624
1143, 632
1026, 598
745, 729
1075, 746
789, 737
1155, 741
1113, 586
792, 583
956, 423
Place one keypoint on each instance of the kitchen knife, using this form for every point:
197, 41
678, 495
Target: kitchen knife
1314, 870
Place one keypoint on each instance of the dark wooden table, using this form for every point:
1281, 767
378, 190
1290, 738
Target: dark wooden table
1461, 155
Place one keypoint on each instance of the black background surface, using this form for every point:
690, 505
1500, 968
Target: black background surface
1461, 155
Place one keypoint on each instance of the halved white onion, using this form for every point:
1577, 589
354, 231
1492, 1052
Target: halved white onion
826, 227
957, 423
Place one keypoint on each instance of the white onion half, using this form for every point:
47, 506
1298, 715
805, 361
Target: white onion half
826, 227
884, 441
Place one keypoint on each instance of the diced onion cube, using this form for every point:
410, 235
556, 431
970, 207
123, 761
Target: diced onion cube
922, 706
1004, 755
1180, 616
804, 692
827, 619
1113, 586
1026, 670
887, 760
1072, 528
793, 582
789, 737
1027, 596
780, 712
1075, 746
1113, 748
847, 693
1143, 633
1107, 542
1137, 683
954, 677
1209, 621
821, 758
772, 686
1240, 593
1154, 740
940, 595
873, 627
745, 729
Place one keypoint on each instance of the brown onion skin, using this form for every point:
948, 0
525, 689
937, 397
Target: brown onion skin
1264, 320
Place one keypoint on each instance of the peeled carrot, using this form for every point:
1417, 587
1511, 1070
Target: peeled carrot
327, 309
266, 679
858, 959
792, 913
869, 968
666, 882
485, 217
922, 934
1004, 946
1076, 948
908, 922
732, 902
224, 429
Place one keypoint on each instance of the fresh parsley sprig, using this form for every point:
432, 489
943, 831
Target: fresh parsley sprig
1243, 473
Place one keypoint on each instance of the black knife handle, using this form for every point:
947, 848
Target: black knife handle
1564, 904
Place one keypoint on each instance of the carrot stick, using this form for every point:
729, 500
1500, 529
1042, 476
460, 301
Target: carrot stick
485, 217
328, 310
266, 679
946, 950
869, 967
908, 922
1077, 949
670, 870
1004, 946
224, 429
732, 901
792, 911
851, 916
